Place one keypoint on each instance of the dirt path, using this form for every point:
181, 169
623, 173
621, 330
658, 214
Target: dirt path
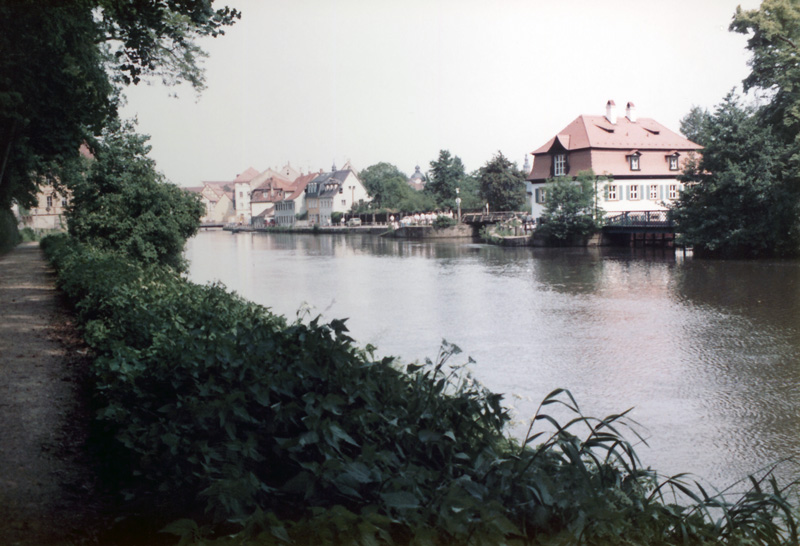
45, 485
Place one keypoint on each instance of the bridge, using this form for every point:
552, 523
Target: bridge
644, 221
640, 228
482, 218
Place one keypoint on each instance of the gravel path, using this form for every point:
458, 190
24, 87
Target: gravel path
45, 483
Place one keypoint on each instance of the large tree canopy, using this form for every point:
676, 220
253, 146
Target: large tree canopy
61, 63
447, 174
736, 201
774, 41
742, 197
389, 189
502, 185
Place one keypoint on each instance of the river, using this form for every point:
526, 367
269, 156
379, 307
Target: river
707, 353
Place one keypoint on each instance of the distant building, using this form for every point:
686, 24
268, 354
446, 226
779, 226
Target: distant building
217, 197
241, 195
417, 180
335, 191
294, 204
637, 161
48, 213
51, 204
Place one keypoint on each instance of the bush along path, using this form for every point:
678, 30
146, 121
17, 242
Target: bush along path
228, 425
46, 486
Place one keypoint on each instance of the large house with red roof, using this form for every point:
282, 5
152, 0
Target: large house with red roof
637, 161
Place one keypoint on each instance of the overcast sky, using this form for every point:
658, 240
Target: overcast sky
313, 82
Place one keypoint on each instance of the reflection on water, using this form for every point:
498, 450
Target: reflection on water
705, 352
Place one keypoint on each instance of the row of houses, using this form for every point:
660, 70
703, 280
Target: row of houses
282, 196
637, 161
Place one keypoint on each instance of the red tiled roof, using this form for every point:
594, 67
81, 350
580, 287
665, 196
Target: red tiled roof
595, 143
597, 132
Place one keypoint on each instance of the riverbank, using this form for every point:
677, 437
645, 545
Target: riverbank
46, 484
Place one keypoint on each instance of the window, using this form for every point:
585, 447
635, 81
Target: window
559, 165
341, 189
63, 201
49, 201
633, 159
612, 192
673, 162
344, 202
653, 192
634, 192
673, 191
540, 195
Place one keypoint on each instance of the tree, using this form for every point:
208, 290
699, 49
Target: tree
389, 189
52, 92
736, 201
502, 185
385, 183
56, 93
447, 174
124, 204
570, 208
694, 125
774, 30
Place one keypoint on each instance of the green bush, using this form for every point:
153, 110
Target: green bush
442, 221
209, 404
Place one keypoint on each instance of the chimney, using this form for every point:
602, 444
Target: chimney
611, 112
630, 112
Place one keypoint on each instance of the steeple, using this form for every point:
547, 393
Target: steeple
526, 167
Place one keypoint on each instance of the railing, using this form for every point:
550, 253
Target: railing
639, 219
490, 218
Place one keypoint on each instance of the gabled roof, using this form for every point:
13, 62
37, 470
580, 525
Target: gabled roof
328, 183
300, 185
246, 176
597, 132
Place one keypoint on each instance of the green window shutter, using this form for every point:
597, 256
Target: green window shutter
605, 192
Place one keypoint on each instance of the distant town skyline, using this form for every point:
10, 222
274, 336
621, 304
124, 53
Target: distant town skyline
316, 83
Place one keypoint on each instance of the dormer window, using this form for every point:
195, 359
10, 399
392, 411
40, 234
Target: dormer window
559, 164
633, 161
673, 161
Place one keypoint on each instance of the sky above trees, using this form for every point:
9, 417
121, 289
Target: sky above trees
317, 82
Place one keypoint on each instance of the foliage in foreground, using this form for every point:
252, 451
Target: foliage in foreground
217, 411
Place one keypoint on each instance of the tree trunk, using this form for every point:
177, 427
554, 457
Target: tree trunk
6, 153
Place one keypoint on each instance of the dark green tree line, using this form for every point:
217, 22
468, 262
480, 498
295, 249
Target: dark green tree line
742, 197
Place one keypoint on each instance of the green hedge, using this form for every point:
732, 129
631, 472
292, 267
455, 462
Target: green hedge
215, 409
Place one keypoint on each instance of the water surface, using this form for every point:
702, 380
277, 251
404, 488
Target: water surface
707, 353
